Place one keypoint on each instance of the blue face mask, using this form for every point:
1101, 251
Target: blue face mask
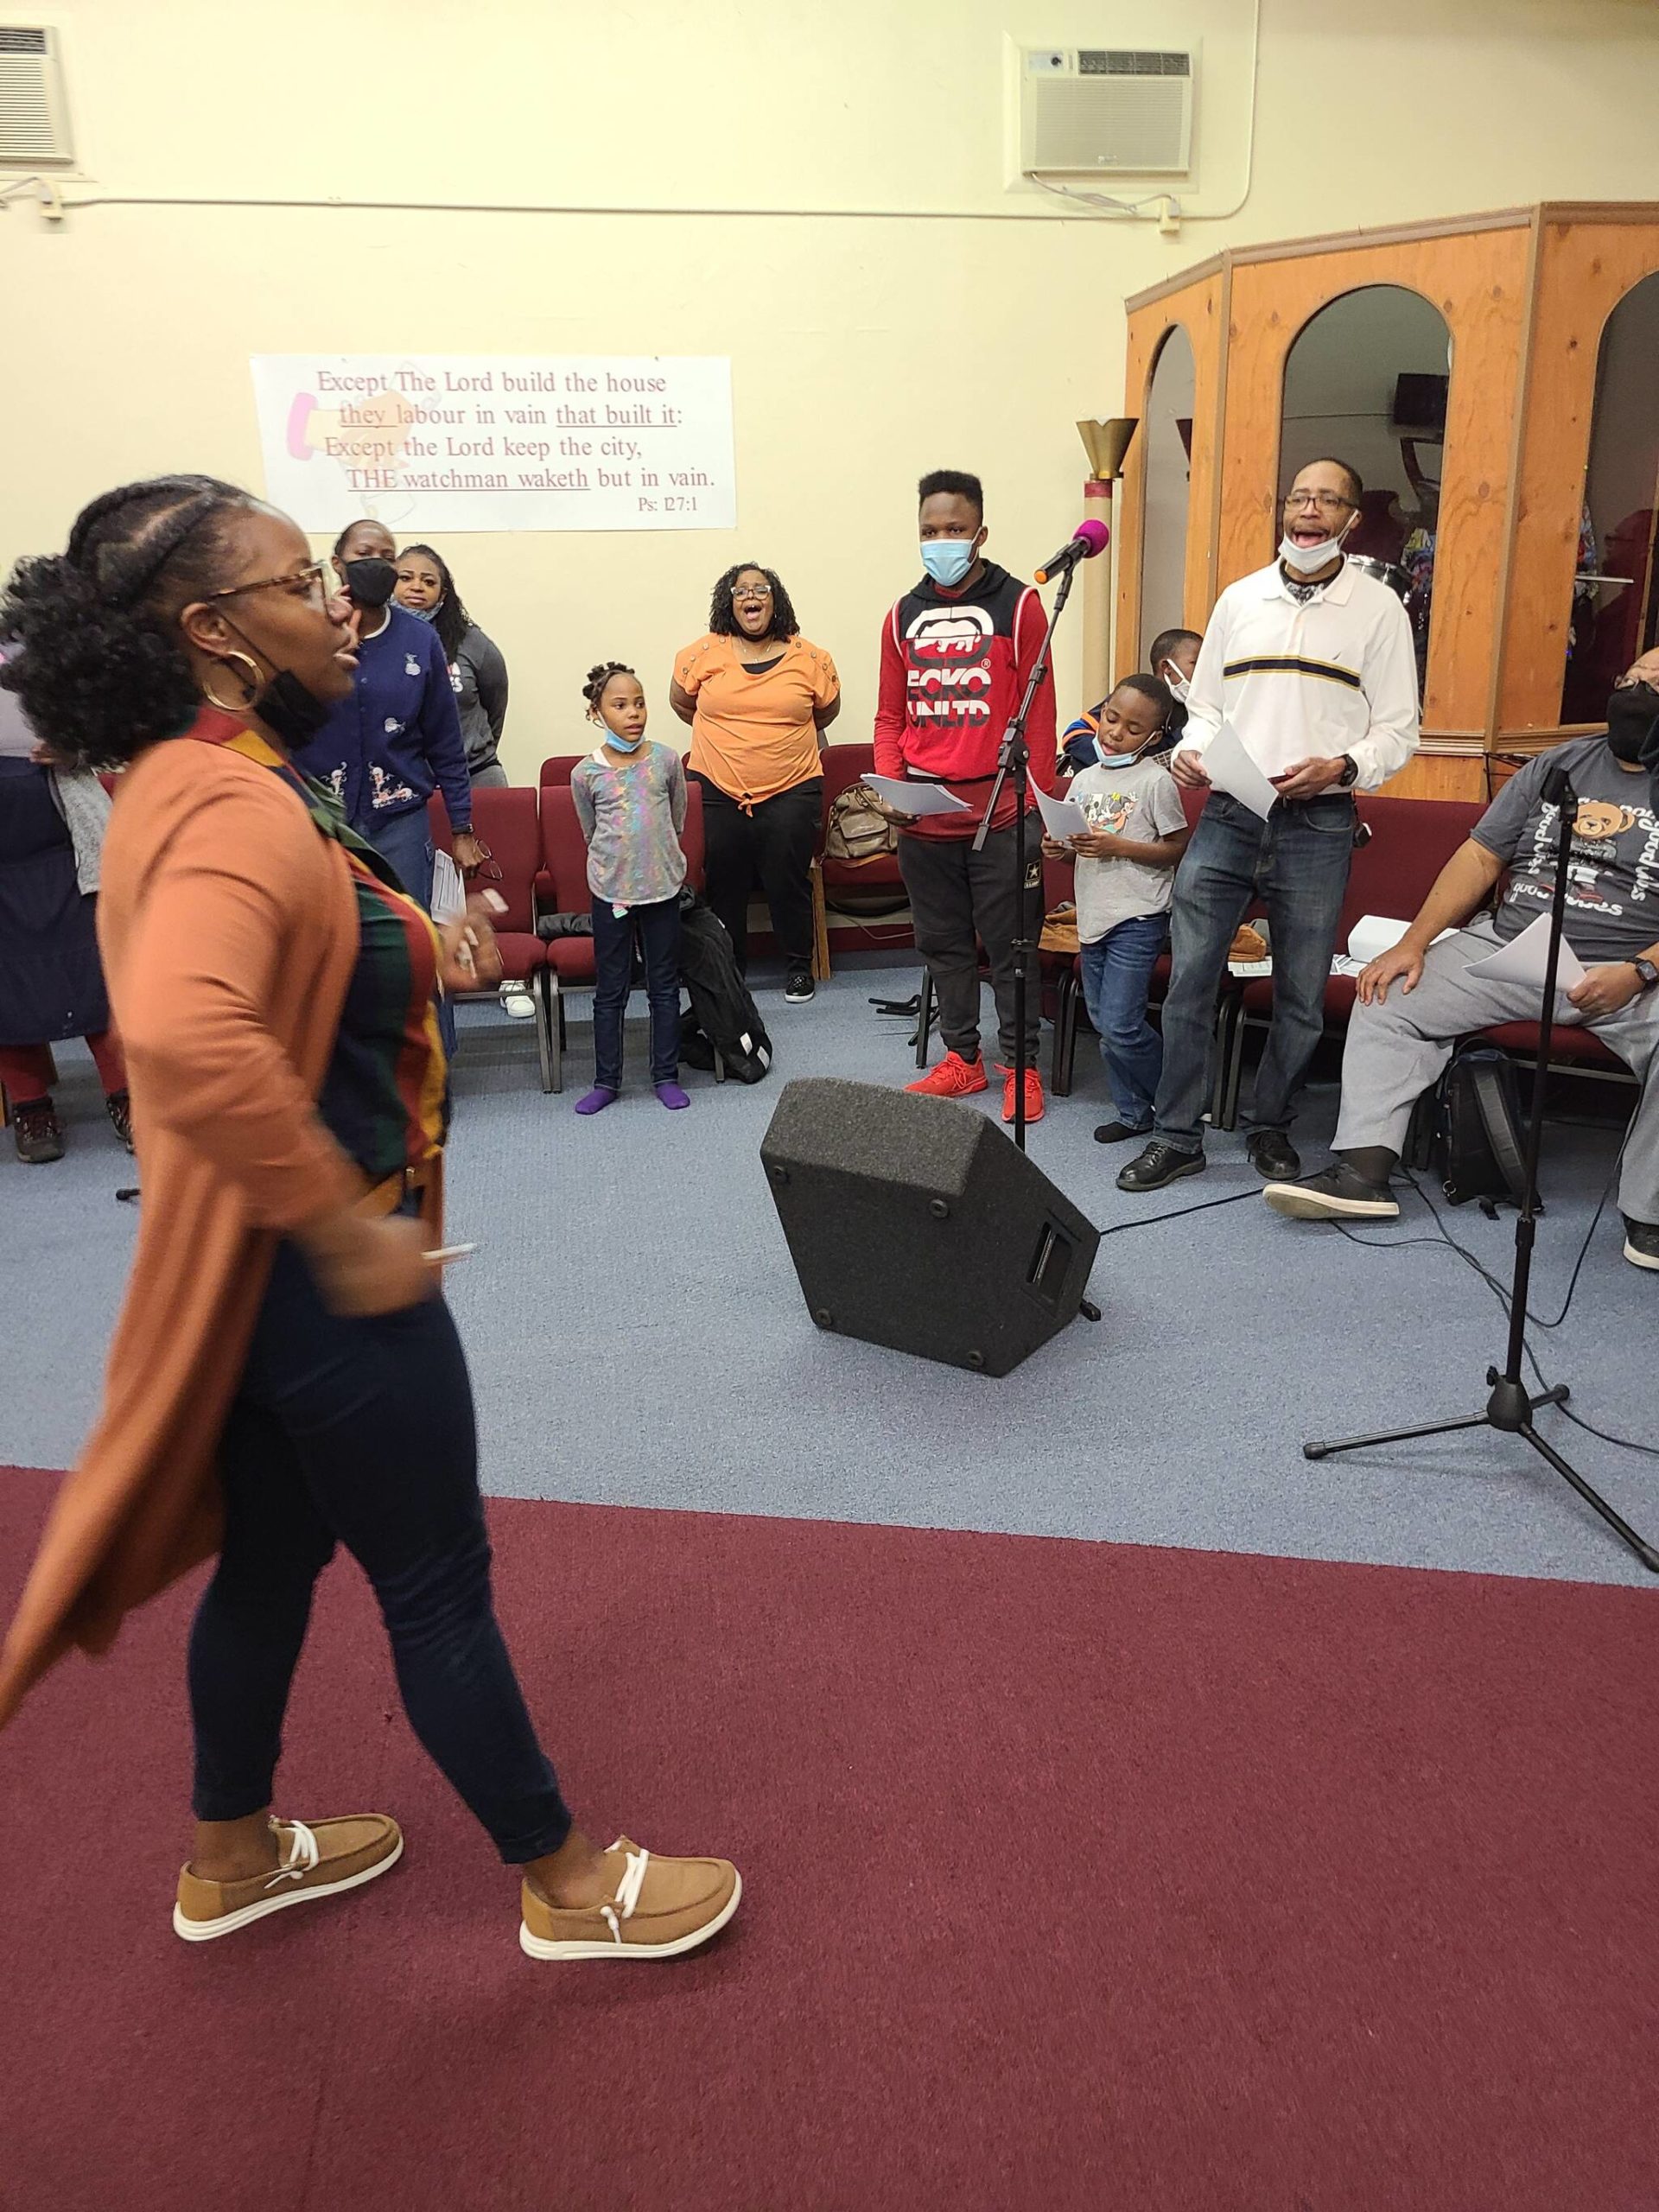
948, 560
623, 744
1114, 760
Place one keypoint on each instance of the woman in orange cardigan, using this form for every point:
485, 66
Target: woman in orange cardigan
285, 1376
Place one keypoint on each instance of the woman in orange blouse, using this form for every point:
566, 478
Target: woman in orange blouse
759, 698
285, 1376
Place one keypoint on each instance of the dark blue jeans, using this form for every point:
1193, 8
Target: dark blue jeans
657, 927
406, 840
1116, 977
1296, 863
361, 1432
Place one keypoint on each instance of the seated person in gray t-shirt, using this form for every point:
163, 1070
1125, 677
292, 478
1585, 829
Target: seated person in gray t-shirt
1416, 1001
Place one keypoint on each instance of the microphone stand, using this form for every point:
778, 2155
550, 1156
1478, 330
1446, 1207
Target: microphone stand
1015, 758
1510, 1406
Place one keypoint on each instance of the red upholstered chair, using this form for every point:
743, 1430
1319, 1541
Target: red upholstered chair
1411, 841
507, 822
557, 769
564, 881
844, 765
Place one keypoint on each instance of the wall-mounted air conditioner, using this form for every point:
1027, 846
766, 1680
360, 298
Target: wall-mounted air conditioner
34, 111
1105, 110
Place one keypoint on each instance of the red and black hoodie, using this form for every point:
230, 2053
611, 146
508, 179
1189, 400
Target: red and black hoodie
954, 669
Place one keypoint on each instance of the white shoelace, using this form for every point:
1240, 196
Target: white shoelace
304, 1852
627, 1893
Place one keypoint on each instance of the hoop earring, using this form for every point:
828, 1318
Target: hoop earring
255, 683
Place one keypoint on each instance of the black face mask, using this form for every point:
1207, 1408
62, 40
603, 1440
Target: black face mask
1633, 724
371, 581
290, 709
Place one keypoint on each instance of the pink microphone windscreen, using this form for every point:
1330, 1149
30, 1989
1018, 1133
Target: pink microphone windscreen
1095, 534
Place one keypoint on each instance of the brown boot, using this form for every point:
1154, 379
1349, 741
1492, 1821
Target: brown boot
37, 1131
318, 1860
660, 1908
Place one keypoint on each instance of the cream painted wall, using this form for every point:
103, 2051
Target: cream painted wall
864, 349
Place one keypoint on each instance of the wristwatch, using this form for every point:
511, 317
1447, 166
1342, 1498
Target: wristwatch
1647, 974
1349, 773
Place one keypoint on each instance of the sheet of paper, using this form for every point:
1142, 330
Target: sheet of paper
906, 797
1230, 769
1062, 817
1373, 935
1524, 958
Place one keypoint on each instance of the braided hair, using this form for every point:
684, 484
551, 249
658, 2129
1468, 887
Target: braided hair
599, 676
452, 621
101, 669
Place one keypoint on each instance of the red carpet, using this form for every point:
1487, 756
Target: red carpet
1076, 1877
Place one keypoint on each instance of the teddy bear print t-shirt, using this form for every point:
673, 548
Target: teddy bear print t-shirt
1141, 801
1612, 880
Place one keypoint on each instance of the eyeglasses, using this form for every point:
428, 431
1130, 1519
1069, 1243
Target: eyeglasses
312, 580
753, 591
1328, 503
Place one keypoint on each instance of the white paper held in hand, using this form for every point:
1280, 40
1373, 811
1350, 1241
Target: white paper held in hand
1230, 769
1525, 959
1062, 817
906, 797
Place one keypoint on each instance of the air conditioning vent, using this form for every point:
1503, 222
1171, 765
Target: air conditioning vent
1105, 109
34, 115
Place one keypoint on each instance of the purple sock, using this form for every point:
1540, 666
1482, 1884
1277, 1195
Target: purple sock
672, 1096
596, 1101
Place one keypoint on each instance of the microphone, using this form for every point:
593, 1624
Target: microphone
1089, 539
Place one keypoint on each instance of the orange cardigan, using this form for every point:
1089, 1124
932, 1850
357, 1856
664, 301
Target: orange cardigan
229, 931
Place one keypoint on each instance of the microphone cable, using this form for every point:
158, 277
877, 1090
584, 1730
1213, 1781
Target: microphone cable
1500, 1290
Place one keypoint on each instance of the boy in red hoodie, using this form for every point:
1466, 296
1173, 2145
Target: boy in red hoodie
956, 653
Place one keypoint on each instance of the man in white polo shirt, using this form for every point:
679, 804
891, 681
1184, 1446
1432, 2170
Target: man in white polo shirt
1310, 663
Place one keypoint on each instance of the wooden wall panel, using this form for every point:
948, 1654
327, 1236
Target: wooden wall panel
1441, 775
1200, 309
1584, 268
1479, 281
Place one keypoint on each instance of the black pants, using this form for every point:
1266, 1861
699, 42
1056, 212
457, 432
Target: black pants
774, 845
360, 1432
657, 927
956, 893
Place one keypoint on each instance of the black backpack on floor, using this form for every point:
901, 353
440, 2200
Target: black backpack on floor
723, 1017
1480, 1148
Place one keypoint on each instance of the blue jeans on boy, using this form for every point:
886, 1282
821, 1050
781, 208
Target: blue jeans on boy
659, 929
1116, 977
1297, 863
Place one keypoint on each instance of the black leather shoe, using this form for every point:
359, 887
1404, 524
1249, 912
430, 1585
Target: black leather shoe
1339, 1194
1117, 1133
1158, 1163
1641, 1242
1273, 1156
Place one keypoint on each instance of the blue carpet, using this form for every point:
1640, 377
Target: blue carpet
636, 1335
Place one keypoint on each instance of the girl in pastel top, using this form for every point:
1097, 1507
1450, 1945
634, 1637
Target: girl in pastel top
630, 799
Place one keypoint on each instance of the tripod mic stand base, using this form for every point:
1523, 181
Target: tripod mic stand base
1510, 1409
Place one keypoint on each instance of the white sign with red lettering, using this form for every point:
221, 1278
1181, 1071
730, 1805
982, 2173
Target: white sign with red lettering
439, 442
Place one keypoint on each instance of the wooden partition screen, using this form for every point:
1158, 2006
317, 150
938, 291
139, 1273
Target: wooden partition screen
1526, 294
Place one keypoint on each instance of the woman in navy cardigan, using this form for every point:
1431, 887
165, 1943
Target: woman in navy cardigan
396, 739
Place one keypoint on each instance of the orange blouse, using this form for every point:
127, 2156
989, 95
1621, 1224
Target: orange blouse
755, 735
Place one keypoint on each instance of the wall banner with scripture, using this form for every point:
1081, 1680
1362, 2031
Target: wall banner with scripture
442, 443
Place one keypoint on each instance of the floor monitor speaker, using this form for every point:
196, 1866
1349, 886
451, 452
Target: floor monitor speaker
913, 1222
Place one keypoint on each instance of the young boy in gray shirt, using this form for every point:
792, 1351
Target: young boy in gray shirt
1125, 867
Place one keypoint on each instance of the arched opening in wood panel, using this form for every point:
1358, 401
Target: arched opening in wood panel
1366, 381
1167, 427
1615, 609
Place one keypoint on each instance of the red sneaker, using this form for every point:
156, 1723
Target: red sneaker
1034, 1095
954, 1078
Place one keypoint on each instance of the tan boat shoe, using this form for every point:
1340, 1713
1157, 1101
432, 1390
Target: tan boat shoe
315, 1861
661, 1907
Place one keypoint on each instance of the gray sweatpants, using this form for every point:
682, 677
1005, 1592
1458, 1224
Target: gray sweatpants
1395, 1050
